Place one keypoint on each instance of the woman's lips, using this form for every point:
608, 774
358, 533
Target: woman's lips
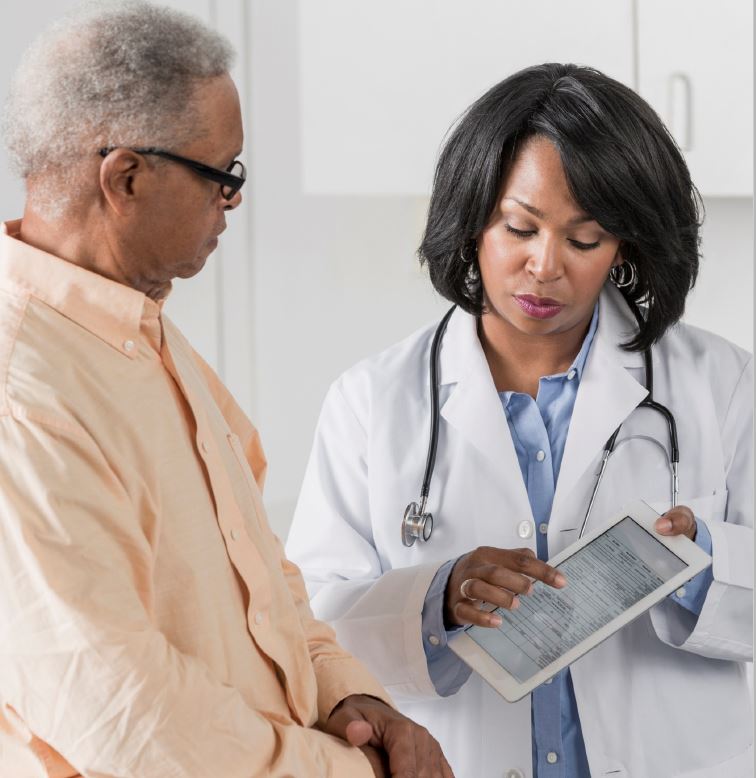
538, 307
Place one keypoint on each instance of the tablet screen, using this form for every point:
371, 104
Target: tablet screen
604, 578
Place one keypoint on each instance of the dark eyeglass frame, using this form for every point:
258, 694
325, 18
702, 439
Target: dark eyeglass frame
230, 182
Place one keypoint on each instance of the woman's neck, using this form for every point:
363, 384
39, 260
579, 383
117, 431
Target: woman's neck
517, 360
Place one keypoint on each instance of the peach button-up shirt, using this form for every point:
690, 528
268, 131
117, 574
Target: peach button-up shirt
150, 625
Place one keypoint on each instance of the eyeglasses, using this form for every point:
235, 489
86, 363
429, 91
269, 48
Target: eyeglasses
231, 179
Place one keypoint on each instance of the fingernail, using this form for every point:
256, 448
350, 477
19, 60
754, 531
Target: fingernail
515, 603
560, 580
663, 525
495, 620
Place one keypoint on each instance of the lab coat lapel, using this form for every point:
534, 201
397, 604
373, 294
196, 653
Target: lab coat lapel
473, 407
607, 395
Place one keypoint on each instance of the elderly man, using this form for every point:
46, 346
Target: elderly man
150, 625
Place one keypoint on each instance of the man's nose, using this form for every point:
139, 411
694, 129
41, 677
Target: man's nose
234, 202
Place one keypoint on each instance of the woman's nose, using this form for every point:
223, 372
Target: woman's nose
545, 261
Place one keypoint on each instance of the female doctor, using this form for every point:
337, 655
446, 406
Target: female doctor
564, 226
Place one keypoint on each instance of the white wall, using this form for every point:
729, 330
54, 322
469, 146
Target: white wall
305, 285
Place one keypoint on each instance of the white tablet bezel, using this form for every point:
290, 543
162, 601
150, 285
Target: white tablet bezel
508, 686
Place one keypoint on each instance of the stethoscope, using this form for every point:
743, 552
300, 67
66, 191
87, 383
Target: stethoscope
418, 524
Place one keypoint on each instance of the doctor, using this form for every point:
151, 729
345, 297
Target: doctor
560, 203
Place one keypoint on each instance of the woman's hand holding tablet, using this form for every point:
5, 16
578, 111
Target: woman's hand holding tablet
614, 574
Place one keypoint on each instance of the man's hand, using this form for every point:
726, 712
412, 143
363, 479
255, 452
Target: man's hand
493, 575
677, 521
369, 723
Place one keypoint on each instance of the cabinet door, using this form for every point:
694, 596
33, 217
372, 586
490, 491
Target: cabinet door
382, 82
695, 66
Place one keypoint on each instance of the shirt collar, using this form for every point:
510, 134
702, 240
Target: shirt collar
579, 362
111, 311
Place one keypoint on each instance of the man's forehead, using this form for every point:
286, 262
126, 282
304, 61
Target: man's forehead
219, 110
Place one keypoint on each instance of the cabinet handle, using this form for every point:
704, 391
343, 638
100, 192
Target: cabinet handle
680, 101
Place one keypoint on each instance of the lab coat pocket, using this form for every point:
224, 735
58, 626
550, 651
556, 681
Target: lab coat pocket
710, 507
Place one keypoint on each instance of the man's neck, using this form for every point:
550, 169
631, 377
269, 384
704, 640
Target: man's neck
85, 243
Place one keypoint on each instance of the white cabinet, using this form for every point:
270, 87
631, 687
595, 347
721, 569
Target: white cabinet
695, 66
382, 82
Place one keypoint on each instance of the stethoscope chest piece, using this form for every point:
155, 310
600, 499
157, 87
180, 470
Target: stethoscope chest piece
416, 524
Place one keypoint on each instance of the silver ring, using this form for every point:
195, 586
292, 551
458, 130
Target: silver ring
463, 588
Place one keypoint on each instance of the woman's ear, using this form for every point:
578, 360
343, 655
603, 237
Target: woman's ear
122, 175
619, 257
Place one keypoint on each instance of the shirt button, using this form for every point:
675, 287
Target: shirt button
552, 757
433, 640
233, 534
550, 680
543, 528
525, 529
540, 456
259, 618
128, 345
571, 374
680, 592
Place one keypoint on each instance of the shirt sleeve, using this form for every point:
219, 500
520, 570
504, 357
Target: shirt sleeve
696, 589
447, 671
338, 673
83, 665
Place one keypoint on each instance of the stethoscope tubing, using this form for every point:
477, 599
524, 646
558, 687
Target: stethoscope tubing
416, 523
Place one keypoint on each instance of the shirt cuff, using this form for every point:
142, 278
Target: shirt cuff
447, 671
337, 679
691, 595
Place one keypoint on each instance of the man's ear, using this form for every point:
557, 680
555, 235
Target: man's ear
123, 176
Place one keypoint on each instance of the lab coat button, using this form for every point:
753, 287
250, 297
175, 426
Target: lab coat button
552, 757
259, 618
233, 534
433, 640
203, 446
540, 456
680, 592
128, 345
525, 529
543, 528
514, 773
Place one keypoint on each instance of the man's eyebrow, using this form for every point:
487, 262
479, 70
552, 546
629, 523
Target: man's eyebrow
581, 219
232, 158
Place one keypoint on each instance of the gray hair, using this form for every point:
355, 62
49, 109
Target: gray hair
116, 73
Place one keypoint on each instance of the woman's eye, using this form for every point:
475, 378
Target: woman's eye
519, 233
585, 246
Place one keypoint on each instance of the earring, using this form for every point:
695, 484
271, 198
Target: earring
469, 258
624, 276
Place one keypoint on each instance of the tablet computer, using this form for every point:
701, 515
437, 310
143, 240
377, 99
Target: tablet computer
614, 574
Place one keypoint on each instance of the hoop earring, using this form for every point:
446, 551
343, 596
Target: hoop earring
468, 259
624, 276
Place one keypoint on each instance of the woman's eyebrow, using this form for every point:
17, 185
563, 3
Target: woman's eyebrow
580, 219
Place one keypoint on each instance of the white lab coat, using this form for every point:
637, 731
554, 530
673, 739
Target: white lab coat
667, 695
